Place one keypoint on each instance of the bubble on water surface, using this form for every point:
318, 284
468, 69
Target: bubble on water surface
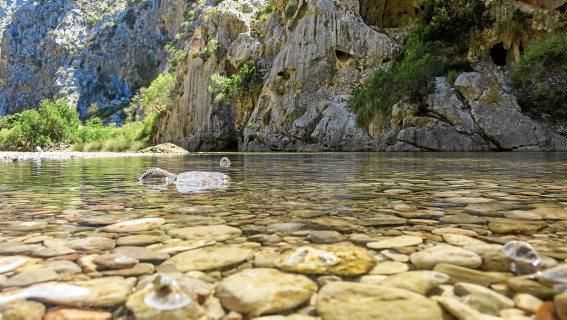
225, 162
525, 257
167, 295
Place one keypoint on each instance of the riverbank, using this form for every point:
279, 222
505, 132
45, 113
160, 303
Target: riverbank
9, 156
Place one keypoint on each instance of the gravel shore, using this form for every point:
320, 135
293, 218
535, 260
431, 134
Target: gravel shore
8, 156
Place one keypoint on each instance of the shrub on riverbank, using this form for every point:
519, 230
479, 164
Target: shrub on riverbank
437, 45
541, 75
57, 122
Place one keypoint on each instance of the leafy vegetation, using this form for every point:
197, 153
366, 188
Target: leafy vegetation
233, 88
211, 48
265, 11
57, 122
541, 75
438, 45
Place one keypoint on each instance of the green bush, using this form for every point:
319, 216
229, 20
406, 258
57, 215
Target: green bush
408, 79
439, 43
211, 48
54, 121
541, 76
231, 89
265, 11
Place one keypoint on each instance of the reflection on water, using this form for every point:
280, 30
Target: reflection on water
344, 185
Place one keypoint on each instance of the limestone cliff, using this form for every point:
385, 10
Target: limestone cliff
90, 52
310, 56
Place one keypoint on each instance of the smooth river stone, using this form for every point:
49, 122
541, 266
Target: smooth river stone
115, 261
255, 292
461, 240
52, 252
175, 246
360, 301
324, 237
462, 274
417, 281
442, 253
29, 277
378, 220
505, 226
23, 310
327, 259
59, 313
468, 200
138, 270
389, 267
209, 258
141, 253
103, 220
136, 225
96, 244
137, 240
560, 302
483, 296
26, 225
14, 248
395, 242
8, 264
214, 232
103, 292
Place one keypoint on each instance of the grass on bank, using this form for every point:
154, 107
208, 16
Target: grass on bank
55, 122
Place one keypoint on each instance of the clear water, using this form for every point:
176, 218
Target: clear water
271, 188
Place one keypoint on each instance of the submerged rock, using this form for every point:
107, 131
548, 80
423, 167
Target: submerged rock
327, 259
442, 253
358, 301
135, 225
256, 292
209, 258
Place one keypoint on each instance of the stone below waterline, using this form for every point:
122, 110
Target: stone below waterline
138, 240
417, 281
389, 267
262, 291
560, 302
395, 242
22, 310
327, 259
359, 301
527, 302
26, 225
30, 277
482, 298
16, 248
135, 225
209, 258
325, 237
380, 220
115, 261
142, 254
59, 313
104, 292
8, 264
442, 253
462, 274
214, 232
92, 244
505, 226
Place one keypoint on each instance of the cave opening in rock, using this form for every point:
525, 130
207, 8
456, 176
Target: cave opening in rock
499, 54
343, 57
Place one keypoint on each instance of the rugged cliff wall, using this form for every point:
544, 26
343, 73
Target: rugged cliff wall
309, 57
313, 55
90, 52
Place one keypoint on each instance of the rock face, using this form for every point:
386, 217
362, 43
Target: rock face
475, 114
312, 58
90, 53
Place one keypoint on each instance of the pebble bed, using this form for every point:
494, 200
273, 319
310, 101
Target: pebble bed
385, 247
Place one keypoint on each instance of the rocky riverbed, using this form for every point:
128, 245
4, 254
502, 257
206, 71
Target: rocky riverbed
419, 249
